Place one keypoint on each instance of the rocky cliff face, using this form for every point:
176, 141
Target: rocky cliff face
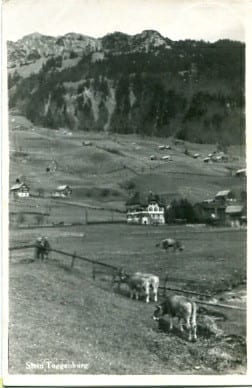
144, 84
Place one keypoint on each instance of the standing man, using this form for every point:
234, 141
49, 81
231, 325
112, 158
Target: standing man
38, 249
46, 247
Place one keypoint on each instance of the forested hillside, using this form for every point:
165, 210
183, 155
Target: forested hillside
144, 84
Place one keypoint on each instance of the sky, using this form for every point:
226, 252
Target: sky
208, 20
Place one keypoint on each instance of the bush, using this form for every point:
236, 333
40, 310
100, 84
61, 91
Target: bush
105, 192
128, 185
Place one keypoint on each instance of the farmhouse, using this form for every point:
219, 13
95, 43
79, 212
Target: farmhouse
166, 157
20, 190
146, 214
62, 191
225, 196
234, 215
214, 211
224, 209
241, 173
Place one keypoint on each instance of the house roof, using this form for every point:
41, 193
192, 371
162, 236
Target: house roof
62, 187
223, 193
18, 186
241, 171
234, 209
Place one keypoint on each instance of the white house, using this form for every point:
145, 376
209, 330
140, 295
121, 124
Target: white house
20, 190
153, 213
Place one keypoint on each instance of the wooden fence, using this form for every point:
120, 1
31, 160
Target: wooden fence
115, 271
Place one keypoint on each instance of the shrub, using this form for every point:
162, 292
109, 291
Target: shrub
105, 192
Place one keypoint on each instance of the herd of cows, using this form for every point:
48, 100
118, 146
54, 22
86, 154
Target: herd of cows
176, 306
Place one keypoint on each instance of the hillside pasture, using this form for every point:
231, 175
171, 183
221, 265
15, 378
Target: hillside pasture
112, 160
59, 314
88, 321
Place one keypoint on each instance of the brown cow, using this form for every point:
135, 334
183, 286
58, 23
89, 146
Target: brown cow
171, 243
181, 307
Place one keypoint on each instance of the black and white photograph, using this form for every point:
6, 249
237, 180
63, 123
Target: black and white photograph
125, 191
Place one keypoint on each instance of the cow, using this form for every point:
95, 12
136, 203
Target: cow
139, 283
182, 308
153, 282
171, 243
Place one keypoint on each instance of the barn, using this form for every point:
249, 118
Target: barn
62, 191
20, 190
234, 215
225, 196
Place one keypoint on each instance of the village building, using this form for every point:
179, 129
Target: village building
20, 190
213, 211
241, 173
225, 196
235, 215
224, 209
62, 191
146, 214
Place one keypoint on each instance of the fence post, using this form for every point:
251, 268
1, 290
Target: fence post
73, 260
86, 216
164, 290
93, 272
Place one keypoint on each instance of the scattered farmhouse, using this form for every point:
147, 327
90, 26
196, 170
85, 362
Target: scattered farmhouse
166, 157
20, 190
234, 215
224, 209
213, 210
225, 196
87, 143
242, 172
62, 191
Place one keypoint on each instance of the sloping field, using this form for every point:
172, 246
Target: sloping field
58, 314
64, 317
89, 322
115, 161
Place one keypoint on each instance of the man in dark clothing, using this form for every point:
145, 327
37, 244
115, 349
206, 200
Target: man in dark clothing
46, 248
38, 254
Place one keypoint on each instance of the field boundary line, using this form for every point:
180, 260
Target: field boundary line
226, 306
106, 265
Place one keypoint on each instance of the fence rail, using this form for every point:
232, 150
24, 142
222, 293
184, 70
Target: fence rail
95, 263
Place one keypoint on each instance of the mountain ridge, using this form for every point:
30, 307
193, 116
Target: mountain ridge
143, 83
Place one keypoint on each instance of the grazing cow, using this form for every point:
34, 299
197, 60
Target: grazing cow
153, 282
182, 308
137, 284
171, 243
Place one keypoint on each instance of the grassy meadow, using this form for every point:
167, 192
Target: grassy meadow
59, 314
